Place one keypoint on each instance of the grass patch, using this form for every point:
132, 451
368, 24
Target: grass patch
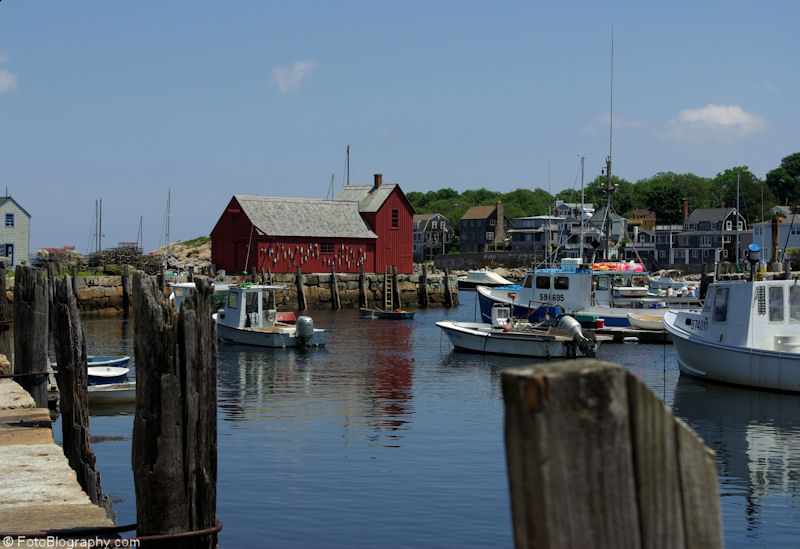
199, 241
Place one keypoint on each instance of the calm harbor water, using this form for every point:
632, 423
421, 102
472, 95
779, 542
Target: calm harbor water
388, 438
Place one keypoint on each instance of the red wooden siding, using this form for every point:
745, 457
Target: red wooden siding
231, 239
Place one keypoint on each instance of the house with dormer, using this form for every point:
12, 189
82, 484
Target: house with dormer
706, 230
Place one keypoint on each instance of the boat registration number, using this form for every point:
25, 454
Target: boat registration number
551, 297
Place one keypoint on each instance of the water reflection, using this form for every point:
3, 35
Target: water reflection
756, 435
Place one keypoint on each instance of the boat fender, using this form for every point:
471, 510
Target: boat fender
506, 328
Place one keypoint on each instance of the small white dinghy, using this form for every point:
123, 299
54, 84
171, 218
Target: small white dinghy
646, 322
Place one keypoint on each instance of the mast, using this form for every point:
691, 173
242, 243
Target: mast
582, 212
737, 219
100, 232
607, 221
347, 166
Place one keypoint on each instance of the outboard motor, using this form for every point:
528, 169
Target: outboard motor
305, 330
587, 346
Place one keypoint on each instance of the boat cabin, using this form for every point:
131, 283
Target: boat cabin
501, 316
250, 306
761, 315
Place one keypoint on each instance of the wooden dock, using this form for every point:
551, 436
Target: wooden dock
39, 492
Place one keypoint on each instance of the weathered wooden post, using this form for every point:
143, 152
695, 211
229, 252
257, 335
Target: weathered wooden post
51, 277
73, 383
125, 290
174, 431
395, 289
301, 291
190, 275
596, 460
31, 335
269, 275
162, 278
362, 288
75, 280
6, 319
336, 303
422, 290
448, 290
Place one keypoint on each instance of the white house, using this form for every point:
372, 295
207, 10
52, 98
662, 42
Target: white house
15, 231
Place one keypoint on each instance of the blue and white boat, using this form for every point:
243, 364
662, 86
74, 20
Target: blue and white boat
604, 291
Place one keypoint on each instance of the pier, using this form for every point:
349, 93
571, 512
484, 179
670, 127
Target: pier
39, 491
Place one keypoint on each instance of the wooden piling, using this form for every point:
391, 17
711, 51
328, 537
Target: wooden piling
75, 279
162, 278
448, 290
174, 431
395, 289
422, 289
362, 288
301, 291
596, 460
6, 320
73, 382
51, 277
31, 335
126, 283
336, 303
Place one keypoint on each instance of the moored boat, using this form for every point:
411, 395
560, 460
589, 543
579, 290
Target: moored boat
747, 333
508, 336
112, 393
250, 318
481, 277
605, 290
104, 361
99, 375
646, 322
397, 314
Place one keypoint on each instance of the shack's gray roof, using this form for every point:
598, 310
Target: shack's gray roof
4, 199
712, 215
369, 198
307, 217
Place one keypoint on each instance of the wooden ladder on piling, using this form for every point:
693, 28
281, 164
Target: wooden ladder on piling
388, 302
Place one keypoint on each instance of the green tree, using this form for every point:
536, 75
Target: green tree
785, 180
750, 192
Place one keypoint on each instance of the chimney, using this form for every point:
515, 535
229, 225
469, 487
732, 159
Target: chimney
378, 180
685, 208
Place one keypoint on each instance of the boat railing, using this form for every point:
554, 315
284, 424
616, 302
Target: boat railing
532, 312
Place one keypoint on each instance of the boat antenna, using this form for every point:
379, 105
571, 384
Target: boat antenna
606, 220
247, 260
582, 211
737, 219
140, 236
330, 188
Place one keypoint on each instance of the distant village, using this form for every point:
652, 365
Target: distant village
374, 228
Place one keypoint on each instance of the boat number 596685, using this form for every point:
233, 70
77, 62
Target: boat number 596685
551, 297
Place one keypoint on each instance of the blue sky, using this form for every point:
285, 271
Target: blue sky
123, 101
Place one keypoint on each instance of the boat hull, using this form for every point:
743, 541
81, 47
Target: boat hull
99, 375
391, 315
479, 338
764, 369
115, 361
275, 336
112, 393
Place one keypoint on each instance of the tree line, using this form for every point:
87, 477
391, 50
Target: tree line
662, 194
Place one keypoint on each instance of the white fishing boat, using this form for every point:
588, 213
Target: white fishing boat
481, 277
508, 336
250, 318
603, 290
182, 290
646, 322
747, 333
112, 393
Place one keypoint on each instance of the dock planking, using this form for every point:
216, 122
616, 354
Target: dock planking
39, 491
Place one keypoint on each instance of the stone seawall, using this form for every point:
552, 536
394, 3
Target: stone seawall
103, 294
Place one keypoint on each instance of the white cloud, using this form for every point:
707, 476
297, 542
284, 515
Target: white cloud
7, 81
383, 131
714, 122
288, 79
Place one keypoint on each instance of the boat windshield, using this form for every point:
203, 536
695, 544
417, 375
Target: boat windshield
794, 303
251, 302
